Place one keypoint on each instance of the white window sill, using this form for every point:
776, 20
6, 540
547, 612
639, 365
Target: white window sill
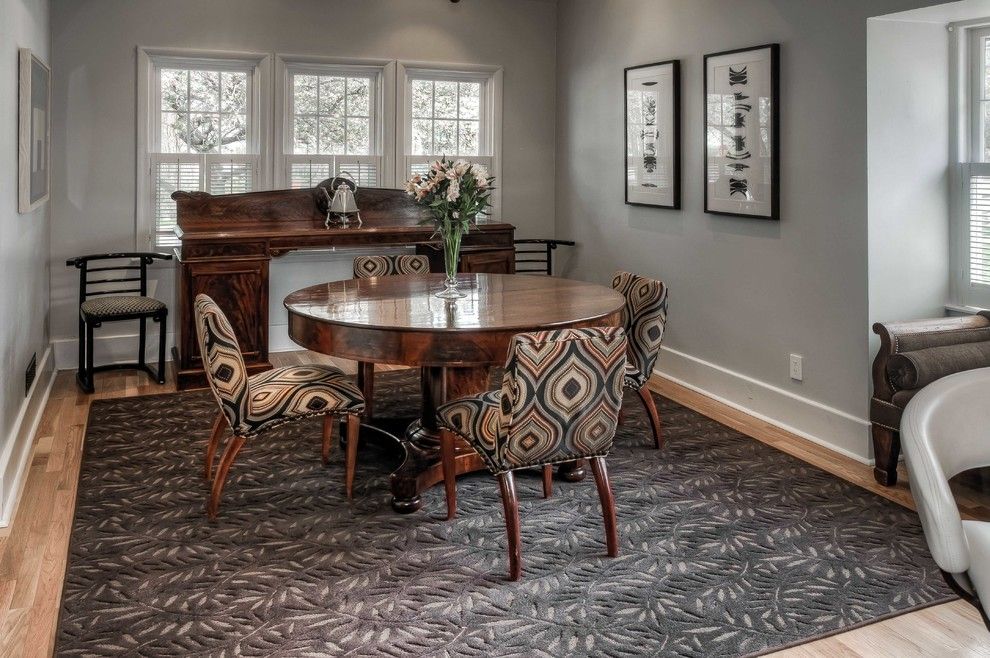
963, 310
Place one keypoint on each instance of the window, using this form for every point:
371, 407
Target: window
202, 118
449, 113
332, 123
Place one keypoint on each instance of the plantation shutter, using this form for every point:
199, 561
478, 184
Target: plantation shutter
170, 174
977, 180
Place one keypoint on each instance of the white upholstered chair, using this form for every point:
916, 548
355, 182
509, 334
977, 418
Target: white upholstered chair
946, 430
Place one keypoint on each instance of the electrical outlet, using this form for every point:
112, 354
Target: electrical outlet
797, 367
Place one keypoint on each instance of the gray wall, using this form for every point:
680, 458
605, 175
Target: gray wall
94, 99
744, 293
908, 152
23, 238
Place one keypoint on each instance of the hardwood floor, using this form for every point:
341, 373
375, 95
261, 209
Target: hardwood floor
33, 548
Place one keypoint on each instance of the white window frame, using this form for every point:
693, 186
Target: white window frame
490, 128
382, 113
150, 61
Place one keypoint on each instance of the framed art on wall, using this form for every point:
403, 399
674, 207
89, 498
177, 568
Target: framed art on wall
33, 131
653, 134
742, 148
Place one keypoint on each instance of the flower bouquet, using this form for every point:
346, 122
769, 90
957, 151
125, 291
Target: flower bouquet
456, 192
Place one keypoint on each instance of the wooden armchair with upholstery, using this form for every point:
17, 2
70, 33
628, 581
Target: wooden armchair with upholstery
913, 354
559, 402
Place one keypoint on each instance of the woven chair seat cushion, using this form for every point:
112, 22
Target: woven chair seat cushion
286, 394
477, 420
118, 305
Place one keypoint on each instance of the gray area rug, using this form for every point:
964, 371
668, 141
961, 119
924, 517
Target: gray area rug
727, 547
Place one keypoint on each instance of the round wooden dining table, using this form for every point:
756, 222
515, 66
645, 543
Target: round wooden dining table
454, 343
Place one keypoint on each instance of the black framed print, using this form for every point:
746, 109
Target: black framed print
742, 146
653, 134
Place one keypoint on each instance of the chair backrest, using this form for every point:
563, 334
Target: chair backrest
535, 256
644, 317
222, 361
945, 430
123, 273
561, 394
403, 264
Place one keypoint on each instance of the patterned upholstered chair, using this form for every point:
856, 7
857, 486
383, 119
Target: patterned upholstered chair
251, 405
644, 317
366, 267
560, 400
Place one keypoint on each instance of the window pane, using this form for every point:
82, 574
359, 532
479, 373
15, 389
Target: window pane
986, 68
422, 98
204, 91
986, 131
233, 136
358, 137
332, 96
304, 135
175, 90
204, 132
304, 94
173, 135
358, 97
467, 138
422, 137
233, 96
470, 100
331, 135
446, 100
445, 137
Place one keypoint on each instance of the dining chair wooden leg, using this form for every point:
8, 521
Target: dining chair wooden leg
547, 481
608, 504
229, 455
211, 447
507, 487
350, 465
449, 466
366, 382
328, 422
651, 410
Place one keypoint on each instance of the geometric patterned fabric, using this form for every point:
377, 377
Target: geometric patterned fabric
268, 399
560, 399
644, 317
403, 264
115, 305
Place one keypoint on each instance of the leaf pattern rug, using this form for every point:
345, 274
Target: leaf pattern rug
727, 547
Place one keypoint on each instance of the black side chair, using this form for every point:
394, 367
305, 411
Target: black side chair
536, 255
109, 298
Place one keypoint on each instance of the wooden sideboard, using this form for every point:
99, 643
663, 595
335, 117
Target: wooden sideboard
227, 242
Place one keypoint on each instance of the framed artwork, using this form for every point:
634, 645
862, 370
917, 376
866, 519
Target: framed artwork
653, 134
33, 131
742, 146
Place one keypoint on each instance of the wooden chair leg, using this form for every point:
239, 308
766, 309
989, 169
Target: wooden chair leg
547, 481
366, 382
350, 465
608, 504
507, 487
447, 440
211, 447
161, 350
229, 455
886, 450
651, 411
328, 422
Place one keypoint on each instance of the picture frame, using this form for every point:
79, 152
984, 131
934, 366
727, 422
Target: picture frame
652, 121
742, 132
33, 131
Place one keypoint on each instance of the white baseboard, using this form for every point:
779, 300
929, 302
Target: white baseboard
827, 426
17, 450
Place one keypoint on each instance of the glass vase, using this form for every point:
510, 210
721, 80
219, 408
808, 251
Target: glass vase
451, 256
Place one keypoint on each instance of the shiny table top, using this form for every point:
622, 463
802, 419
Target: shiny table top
494, 302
